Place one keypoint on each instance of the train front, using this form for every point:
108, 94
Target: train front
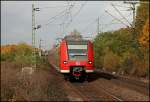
76, 59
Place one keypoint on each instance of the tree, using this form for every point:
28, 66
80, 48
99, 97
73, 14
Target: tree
142, 15
144, 36
21, 53
75, 35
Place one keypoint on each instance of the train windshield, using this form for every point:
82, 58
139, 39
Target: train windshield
77, 52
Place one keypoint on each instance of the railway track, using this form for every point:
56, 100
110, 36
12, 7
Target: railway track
133, 81
140, 89
112, 95
94, 92
123, 92
136, 85
85, 91
97, 91
124, 79
73, 93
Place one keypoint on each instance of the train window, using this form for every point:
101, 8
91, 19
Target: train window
77, 46
77, 52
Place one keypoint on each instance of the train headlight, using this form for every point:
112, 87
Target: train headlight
65, 62
90, 62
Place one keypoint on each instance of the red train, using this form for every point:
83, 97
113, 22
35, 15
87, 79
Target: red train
76, 59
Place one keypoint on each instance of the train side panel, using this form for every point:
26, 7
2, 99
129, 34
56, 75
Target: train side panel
90, 64
64, 58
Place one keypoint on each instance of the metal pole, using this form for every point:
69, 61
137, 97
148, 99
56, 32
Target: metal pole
135, 41
133, 25
133, 14
133, 8
98, 25
33, 36
40, 47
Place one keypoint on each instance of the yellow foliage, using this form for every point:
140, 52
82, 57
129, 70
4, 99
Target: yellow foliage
5, 49
144, 36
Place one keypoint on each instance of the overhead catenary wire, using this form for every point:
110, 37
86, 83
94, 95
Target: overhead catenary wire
46, 7
109, 24
66, 16
54, 17
70, 11
121, 14
68, 19
60, 14
116, 18
121, 6
81, 7
54, 6
93, 21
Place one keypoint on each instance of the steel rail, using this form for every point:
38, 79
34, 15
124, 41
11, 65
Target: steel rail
110, 94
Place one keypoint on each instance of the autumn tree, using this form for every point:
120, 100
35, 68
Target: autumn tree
142, 14
21, 53
144, 35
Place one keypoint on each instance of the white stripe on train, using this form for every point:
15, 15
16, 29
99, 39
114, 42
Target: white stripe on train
67, 71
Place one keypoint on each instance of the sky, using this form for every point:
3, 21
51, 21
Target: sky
59, 18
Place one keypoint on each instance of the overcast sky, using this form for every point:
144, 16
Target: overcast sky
16, 19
